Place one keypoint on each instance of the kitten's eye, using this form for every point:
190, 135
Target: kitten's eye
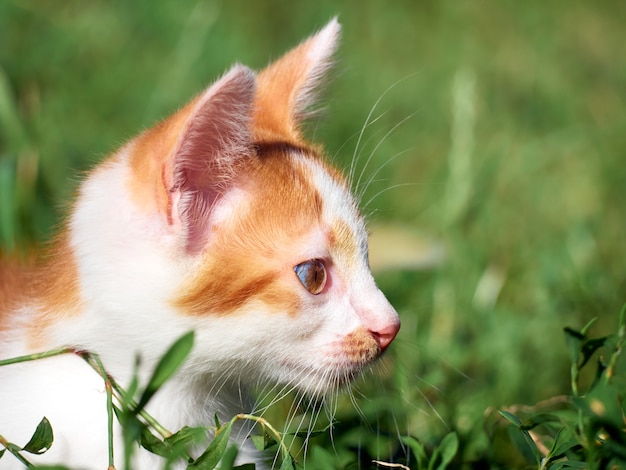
312, 275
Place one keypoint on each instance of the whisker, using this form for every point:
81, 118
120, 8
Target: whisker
333, 158
284, 391
358, 141
367, 122
404, 448
372, 177
384, 190
358, 188
432, 407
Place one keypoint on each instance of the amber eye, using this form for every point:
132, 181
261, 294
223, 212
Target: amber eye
312, 275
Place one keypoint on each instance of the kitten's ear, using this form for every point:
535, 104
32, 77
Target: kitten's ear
285, 89
213, 137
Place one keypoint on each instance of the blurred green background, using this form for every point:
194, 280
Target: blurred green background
497, 144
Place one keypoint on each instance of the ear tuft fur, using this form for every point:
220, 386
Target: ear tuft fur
286, 88
319, 55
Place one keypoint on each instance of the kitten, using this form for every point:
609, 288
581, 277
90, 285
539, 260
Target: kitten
221, 219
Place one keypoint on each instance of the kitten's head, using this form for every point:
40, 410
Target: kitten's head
272, 241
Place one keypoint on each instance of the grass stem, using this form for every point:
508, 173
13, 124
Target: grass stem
15, 450
109, 392
36, 356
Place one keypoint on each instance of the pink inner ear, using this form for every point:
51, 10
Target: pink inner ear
216, 138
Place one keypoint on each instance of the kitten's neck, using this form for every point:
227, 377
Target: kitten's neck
193, 401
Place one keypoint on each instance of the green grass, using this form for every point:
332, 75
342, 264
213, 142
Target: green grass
511, 160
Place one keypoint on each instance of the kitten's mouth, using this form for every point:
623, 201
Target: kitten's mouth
336, 367
360, 347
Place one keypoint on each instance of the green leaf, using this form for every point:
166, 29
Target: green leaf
569, 464
264, 441
169, 363
174, 446
537, 420
287, 463
132, 431
186, 436
418, 450
229, 457
131, 390
2, 452
588, 325
447, 448
42, 438
260, 442
525, 444
574, 340
564, 441
214, 452
589, 347
308, 434
511, 418
152, 443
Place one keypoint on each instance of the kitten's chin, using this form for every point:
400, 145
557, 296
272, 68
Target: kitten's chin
320, 382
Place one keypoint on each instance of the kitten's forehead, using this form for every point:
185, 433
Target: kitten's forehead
340, 216
306, 177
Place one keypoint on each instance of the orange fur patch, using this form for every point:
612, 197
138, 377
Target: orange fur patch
360, 346
12, 279
278, 88
50, 284
151, 170
55, 286
245, 259
343, 242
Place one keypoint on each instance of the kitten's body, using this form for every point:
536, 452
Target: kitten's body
197, 224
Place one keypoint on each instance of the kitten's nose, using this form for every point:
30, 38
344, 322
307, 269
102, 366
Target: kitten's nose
385, 336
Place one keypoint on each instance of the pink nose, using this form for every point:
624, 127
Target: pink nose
385, 335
